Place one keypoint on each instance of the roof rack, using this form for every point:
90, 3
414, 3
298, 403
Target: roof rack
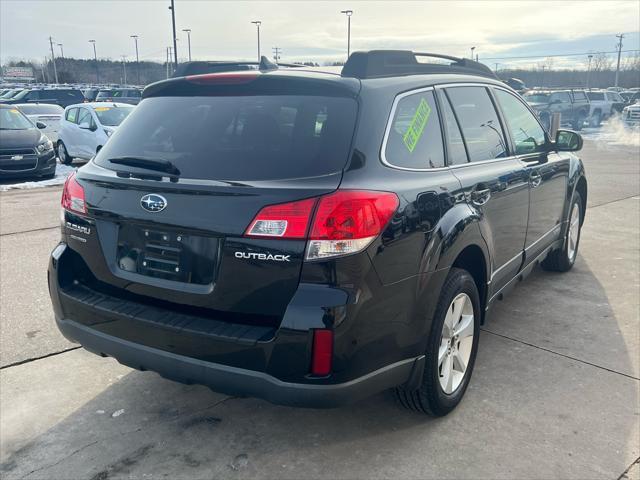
202, 67
393, 63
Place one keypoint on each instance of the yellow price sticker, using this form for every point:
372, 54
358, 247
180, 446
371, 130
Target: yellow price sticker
102, 109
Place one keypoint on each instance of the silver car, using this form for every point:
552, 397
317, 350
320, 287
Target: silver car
49, 114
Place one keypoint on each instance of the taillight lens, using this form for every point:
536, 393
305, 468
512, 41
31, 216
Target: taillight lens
73, 195
286, 220
347, 221
322, 352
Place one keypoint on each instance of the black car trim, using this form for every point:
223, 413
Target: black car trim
239, 381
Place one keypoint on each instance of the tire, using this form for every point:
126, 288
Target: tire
562, 259
63, 155
579, 122
432, 397
595, 119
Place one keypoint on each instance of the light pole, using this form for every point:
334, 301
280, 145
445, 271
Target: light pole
53, 60
348, 13
472, 49
95, 58
61, 51
175, 40
188, 30
276, 53
621, 36
257, 23
135, 39
588, 71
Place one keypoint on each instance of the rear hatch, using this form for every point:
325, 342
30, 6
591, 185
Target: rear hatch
172, 194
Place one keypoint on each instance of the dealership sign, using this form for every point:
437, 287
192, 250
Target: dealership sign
18, 73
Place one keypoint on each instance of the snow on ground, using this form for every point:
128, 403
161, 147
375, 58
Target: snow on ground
612, 134
62, 172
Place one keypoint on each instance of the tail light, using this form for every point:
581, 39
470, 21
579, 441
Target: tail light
222, 78
73, 195
322, 352
344, 222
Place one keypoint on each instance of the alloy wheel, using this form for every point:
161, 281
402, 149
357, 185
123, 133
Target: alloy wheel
456, 343
574, 232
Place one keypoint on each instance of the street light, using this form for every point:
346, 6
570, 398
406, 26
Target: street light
124, 68
135, 39
257, 23
348, 13
188, 30
472, 49
175, 38
95, 57
61, 50
588, 71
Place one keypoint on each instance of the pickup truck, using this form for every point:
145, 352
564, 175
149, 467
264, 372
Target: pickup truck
573, 106
604, 104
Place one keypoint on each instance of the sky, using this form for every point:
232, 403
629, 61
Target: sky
316, 30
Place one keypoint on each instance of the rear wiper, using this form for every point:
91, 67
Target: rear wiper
155, 164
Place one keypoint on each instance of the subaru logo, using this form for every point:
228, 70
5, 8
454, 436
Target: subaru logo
153, 203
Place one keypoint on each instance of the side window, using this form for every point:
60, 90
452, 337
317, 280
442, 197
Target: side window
32, 96
72, 115
415, 139
527, 133
84, 116
479, 121
457, 154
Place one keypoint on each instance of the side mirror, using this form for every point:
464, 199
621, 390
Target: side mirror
85, 126
568, 141
41, 125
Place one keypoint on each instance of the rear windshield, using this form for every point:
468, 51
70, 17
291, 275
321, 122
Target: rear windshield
104, 93
239, 137
112, 116
537, 97
42, 109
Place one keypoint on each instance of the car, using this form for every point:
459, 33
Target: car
24, 150
311, 238
572, 105
631, 114
90, 94
9, 94
630, 97
122, 95
49, 114
603, 105
58, 96
86, 127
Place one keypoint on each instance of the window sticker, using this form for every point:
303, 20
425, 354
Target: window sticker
416, 127
102, 109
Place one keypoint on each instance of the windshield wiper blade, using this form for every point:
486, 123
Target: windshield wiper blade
155, 164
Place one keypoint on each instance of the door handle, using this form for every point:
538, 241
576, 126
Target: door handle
480, 197
535, 179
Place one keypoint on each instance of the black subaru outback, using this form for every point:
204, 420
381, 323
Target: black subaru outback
313, 238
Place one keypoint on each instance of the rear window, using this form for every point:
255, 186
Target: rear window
42, 109
261, 137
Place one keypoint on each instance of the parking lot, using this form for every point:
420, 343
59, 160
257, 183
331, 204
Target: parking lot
555, 392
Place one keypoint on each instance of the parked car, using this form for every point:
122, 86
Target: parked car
90, 94
603, 105
122, 95
572, 105
24, 150
630, 96
312, 238
47, 113
9, 94
86, 128
58, 96
631, 114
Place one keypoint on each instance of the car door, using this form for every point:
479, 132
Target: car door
86, 136
494, 181
547, 172
69, 131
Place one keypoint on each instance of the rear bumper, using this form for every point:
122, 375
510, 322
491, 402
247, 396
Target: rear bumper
237, 381
237, 359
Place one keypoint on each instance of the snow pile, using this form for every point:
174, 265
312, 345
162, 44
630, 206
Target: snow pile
62, 172
613, 133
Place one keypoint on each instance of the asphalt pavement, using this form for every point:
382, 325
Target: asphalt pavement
555, 392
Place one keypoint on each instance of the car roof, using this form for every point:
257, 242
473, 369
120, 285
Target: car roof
100, 104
